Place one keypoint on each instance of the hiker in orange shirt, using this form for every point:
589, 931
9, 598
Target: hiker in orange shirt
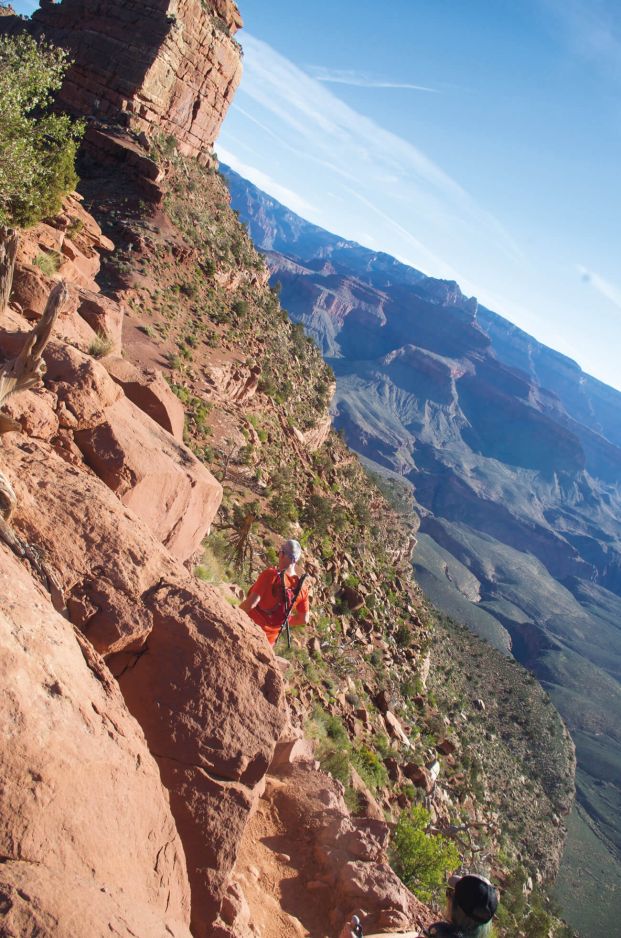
277, 592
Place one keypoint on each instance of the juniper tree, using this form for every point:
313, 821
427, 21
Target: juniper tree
37, 146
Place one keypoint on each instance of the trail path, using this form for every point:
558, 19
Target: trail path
278, 872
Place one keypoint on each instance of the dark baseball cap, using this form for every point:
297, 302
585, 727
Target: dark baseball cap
476, 897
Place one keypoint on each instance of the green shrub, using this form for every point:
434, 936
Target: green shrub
283, 512
75, 226
320, 514
403, 636
163, 146
174, 361
370, 767
421, 861
337, 763
332, 744
240, 308
208, 266
101, 346
37, 148
271, 556
47, 262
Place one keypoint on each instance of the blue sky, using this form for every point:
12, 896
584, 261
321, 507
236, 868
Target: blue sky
478, 141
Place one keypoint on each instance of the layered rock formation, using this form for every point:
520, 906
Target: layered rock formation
162, 66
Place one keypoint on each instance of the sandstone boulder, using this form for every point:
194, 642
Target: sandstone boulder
220, 710
149, 391
357, 838
35, 411
103, 315
419, 776
446, 746
158, 478
395, 729
375, 886
30, 288
88, 842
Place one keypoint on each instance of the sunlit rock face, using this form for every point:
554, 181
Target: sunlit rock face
161, 65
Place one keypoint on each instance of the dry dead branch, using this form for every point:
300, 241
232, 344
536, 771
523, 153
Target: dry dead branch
20, 374
8, 252
26, 371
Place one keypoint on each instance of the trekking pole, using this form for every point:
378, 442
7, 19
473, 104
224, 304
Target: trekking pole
288, 631
285, 626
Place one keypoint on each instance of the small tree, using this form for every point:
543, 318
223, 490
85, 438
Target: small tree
420, 860
37, 147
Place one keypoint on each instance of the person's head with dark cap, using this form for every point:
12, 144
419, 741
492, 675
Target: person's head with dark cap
472, 905
290, 553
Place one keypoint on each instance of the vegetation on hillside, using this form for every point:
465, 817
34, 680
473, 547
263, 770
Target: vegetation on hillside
358, 674
37, 147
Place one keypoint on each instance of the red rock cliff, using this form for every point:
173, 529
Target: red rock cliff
168, 65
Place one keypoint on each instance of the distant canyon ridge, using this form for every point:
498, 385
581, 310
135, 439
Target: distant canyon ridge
514, 456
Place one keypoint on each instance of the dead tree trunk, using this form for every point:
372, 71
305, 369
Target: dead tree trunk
8, 251
22, 373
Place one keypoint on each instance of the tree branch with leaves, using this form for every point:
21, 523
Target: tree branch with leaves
37, 147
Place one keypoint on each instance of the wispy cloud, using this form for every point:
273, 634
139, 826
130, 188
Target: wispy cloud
603, 286
592, 28
337, 76
260, 179
323, 128
430, 260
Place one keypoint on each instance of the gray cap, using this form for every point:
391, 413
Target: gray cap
292, 549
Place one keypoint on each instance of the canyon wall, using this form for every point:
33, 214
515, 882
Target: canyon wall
166, 66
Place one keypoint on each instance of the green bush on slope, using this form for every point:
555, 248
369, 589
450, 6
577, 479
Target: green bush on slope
420, 860
37, 148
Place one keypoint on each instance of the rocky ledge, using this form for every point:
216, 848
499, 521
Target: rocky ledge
166, 66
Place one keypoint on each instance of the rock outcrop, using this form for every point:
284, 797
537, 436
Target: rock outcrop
148, 391
88, 843
161, 66
171, 641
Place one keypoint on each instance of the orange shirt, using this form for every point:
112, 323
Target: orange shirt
269, 590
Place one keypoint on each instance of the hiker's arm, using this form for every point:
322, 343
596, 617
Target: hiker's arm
299, 618
251, 600
301, 611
